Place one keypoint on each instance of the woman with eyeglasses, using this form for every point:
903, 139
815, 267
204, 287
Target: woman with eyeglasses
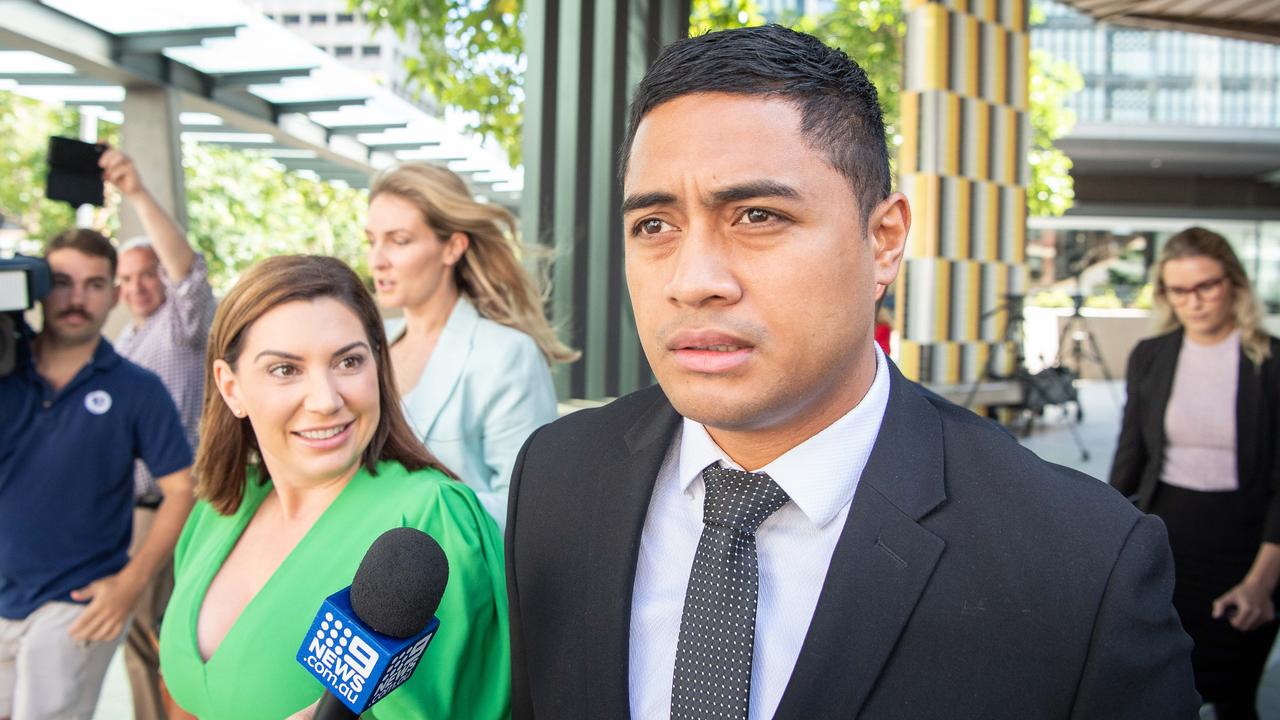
1198, 448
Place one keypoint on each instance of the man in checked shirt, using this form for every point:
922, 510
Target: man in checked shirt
165, 284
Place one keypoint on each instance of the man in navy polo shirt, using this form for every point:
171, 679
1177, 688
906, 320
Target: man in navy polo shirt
74, 416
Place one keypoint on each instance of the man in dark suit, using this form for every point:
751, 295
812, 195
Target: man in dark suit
888, 555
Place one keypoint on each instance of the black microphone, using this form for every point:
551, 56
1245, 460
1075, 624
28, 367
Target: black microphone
367, 639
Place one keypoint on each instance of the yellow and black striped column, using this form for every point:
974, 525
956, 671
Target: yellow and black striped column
963, 164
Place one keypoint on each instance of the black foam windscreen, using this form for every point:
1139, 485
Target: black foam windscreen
398, 585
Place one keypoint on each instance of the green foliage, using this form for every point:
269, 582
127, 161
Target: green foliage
470, 55
1106, 299
1052, 190
871, 32
25, 127
1144, 297
708, 15
266, 211
1051, 298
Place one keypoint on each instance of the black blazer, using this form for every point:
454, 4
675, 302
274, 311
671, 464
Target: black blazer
1139, 459
971, 579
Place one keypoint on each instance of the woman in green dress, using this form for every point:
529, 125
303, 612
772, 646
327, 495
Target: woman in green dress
305, 459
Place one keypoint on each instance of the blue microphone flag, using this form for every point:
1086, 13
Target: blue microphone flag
355, 663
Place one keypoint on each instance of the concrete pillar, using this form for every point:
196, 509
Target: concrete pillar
151, 135
585, 58
963, 164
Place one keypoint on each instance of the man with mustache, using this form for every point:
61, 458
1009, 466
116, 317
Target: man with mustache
786, 527
74, 417
165, 285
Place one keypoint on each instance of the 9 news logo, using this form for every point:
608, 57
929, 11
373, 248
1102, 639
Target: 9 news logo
341, 658
357, 664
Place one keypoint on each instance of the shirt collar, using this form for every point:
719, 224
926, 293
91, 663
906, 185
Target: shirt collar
821, 473
104, 356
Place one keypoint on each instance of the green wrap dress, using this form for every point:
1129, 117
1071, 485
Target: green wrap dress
465, 672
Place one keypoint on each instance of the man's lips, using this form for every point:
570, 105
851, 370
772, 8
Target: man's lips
709, 351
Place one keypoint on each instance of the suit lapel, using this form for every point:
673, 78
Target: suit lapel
880, 566
623, 490
444, 369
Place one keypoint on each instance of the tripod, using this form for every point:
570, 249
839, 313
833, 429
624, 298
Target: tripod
1051, 386
1084, 347
1013, 332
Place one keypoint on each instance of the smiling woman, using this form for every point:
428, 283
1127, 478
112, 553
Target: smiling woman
307, 458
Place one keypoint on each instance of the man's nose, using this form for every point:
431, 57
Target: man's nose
703, 270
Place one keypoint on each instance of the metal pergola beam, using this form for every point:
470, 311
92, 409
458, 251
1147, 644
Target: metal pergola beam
104, 104
137, 60
367, 128
53, 79
158, 40
271, 76
402, 146
310, 106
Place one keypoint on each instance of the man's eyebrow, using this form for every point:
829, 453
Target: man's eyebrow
752, 190
646, 200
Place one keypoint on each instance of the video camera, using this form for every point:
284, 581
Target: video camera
23, 281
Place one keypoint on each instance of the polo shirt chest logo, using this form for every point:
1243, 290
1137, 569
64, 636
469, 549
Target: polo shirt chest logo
97, 402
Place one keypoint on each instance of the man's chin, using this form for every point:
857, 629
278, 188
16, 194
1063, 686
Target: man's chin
76, 336
719, 411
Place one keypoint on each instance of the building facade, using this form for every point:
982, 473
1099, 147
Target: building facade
331, 26
1172, 129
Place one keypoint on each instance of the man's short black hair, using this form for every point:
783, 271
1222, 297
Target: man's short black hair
840, 113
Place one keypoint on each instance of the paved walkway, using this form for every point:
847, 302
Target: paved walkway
1051, 438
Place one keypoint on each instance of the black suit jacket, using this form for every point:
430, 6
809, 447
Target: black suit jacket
971, 579
1139, 459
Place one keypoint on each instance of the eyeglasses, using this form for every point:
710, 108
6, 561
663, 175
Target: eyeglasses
1205, 291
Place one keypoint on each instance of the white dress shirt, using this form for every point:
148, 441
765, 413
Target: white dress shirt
794, 547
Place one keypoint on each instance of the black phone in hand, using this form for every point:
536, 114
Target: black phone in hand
74, 175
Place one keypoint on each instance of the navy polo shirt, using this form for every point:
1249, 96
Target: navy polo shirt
66, 472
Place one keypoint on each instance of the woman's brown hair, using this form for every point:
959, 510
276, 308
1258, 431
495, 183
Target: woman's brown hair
228, 446
489, 273
1199, 242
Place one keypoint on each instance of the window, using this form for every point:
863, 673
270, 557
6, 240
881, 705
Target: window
318, 18
371, 51
343, 50
291, 19
344, 18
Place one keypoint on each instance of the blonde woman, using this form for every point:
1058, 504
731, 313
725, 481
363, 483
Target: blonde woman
472, 353
1198, 448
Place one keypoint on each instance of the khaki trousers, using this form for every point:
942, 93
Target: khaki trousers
44, 673
142, 642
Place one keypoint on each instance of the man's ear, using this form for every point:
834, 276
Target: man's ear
887, 227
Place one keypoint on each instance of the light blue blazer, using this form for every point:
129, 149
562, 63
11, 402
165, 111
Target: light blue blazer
486, 388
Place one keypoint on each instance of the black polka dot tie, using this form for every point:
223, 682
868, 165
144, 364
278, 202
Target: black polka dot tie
717, 630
